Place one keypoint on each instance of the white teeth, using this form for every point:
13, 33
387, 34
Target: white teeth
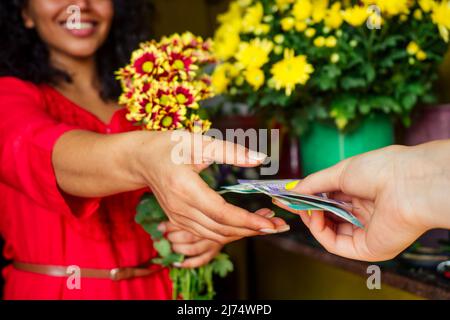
79, 26
86, 25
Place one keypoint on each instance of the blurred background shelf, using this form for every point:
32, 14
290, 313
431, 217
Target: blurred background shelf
397, 282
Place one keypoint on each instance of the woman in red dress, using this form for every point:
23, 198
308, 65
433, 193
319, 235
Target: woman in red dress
73, 169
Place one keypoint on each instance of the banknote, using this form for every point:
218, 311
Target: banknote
276, 190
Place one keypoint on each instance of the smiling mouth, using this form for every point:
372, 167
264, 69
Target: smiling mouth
79, 29
82, 25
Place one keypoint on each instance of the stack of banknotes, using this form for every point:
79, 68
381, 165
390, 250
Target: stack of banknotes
276, 190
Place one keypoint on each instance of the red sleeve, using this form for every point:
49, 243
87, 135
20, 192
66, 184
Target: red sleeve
27, 138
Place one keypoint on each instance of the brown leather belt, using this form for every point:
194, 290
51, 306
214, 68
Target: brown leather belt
115, 274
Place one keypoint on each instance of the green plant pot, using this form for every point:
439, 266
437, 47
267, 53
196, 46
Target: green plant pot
323, 145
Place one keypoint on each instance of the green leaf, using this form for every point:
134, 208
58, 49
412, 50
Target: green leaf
369, 72
163, 247
149, 210
152, 229
222, 265
326, 79
348, 83
171, 259
409, 101
364, 107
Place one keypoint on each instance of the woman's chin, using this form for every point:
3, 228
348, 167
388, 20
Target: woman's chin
80, 52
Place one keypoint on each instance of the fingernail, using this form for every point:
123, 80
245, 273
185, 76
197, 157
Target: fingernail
162, 227
269, 231
291, 185
284, 229
257, 156
269, 215
177, 264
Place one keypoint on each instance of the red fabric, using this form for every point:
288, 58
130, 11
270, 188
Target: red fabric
42, 225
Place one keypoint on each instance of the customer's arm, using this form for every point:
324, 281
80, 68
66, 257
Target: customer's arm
398, 193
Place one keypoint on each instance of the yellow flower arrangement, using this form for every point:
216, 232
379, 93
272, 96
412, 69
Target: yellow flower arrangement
330, 53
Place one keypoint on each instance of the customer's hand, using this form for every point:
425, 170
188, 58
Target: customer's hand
398, 193
187, 200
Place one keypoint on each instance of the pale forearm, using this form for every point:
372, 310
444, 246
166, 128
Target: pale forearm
95, 165
438, 153
430, 182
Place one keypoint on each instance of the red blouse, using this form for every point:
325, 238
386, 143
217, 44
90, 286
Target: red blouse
41, 225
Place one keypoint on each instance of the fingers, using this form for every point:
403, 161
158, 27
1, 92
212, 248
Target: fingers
179, 235
182, 236
225, 152
267, 213
224, 214
202, 232
340, 239
168, 227
327, 180
198, 261
362, 176
195, 249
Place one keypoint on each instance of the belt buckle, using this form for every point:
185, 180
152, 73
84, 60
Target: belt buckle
118, 274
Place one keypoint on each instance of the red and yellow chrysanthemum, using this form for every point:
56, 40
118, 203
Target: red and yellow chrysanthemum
162, 86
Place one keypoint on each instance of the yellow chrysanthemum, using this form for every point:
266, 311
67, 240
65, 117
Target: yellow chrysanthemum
441, 17
412, 48
278, 39
233, 14
283, 5
427, 5
418, 15
333, 18
244, 3
335, 58
320, 8
255, 77
421, 55
287, 23
319, 41
300, 26
254, 54
291, 71
253, 18
278, 50
302, 9
355, 16
226, 41
391, 7
263, 28
220, 78
310, 32
330, 42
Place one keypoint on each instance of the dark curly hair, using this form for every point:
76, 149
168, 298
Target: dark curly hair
25, 56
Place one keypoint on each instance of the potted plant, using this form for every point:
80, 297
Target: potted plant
337, 73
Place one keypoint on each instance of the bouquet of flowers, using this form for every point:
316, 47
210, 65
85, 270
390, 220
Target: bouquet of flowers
303, 60
162, 88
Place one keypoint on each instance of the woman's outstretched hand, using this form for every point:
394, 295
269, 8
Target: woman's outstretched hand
171, 166
398, 193
93, 165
